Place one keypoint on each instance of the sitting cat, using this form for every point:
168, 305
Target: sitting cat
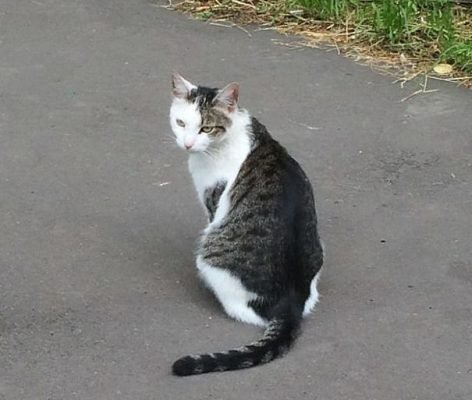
260, 253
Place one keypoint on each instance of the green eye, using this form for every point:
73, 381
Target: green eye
180, 122
206, 129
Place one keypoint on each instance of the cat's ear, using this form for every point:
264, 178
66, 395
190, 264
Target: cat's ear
181, 88
228, 96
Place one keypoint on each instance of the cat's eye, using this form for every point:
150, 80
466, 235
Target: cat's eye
207, 129
180, 122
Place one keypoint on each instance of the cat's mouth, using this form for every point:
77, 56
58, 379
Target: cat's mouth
192, 150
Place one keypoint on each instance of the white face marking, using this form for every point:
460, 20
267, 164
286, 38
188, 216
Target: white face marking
188, 137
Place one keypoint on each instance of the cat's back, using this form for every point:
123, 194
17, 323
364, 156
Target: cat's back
271, 174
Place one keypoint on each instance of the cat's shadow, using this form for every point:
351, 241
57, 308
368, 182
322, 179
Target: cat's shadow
167, 254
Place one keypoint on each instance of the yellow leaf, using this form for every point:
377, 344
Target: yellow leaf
443, 69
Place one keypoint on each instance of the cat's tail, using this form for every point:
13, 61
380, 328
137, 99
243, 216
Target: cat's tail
280, 333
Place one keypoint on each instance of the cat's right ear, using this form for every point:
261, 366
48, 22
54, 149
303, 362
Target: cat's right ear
228, 96
181, 88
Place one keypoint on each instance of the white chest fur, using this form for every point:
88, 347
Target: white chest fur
224, 165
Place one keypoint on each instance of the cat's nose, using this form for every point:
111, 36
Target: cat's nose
189, 141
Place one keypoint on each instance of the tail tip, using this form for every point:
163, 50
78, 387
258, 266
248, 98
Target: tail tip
184, 366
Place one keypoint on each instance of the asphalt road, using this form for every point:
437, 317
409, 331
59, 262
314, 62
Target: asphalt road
98, 292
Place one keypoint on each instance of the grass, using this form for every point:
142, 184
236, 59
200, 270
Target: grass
325, 9
412, 35
434, 29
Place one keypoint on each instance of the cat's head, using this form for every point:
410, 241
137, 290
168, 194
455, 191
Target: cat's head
200, 116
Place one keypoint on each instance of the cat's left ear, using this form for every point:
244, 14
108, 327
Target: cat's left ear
181, 87
228, 96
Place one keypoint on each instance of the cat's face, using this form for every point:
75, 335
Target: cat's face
200, 116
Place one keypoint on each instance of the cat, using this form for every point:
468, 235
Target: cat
260, 253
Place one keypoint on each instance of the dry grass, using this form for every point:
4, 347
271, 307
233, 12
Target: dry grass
342, 36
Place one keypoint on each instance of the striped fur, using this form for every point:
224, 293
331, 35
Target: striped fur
260, 253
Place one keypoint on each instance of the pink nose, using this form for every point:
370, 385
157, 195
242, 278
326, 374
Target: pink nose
189, 141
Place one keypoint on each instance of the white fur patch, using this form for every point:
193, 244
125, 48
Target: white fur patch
313, 298
310, 303
223, 164
230, 292
188, 113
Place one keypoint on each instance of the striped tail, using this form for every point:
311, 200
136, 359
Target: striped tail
278, 337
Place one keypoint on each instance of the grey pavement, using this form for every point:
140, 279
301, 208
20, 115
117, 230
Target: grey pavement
98, 217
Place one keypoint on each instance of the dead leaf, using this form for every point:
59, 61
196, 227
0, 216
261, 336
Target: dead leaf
443, 69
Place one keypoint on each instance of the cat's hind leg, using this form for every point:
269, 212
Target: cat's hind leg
231, 293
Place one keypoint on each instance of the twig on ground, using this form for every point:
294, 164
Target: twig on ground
232, 25
244, 4
420, 91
